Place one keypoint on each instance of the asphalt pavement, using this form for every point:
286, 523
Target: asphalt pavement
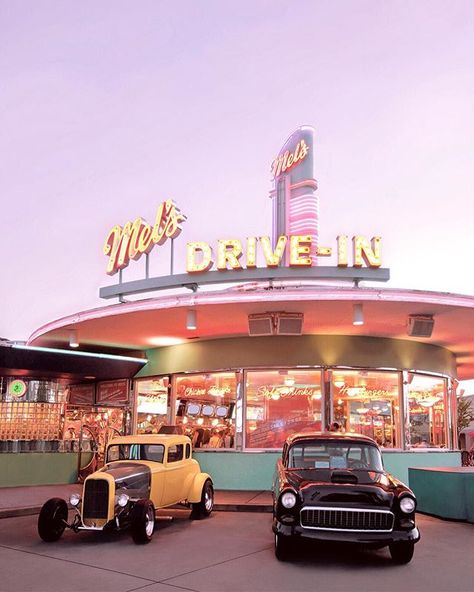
229, 551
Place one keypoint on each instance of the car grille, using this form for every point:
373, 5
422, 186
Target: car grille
345, 519
96, 499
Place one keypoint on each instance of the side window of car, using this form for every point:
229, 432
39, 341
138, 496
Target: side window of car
188, 450
154, 452
175, 452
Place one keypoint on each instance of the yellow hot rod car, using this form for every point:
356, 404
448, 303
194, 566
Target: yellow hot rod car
141, 474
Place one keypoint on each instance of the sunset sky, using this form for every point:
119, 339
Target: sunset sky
108, 108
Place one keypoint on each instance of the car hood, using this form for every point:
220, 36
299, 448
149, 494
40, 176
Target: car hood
133, 478
334, 486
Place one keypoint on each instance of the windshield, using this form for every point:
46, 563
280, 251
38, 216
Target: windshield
153, 452
331, 454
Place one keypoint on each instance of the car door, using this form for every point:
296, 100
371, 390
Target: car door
177, 468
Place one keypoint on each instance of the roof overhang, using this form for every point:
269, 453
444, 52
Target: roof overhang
328, 310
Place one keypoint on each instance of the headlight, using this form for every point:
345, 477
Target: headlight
122, 500
288, 500
407, 504
74, 499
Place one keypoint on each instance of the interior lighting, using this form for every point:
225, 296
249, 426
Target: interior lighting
73, 342
357, 314
289, 381
164, 341
339, 382
53, 350
191, 320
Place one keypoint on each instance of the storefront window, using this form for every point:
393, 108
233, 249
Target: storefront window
152, 404
31, 410
205, 407
280, 403
367, 402
425, 413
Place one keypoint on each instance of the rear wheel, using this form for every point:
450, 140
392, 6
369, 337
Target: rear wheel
283, 548
143, 521
205, 506
52, 519
402, 552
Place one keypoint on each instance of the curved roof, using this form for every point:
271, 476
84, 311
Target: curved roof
327, 310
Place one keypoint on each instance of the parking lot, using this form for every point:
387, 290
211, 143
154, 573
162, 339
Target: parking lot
229, 551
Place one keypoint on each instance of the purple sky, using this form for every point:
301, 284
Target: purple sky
108, 108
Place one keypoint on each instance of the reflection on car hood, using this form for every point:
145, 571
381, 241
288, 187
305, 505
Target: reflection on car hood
360, 487
132, 477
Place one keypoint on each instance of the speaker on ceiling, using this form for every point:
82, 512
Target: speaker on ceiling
289, 323
260, 324
420, 325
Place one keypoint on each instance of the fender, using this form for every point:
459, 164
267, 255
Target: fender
195, 491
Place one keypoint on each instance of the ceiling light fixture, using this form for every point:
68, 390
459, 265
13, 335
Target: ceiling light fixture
191, 320
357, 314
73, 342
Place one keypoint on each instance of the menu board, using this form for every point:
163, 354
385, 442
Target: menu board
112, 392
81, 394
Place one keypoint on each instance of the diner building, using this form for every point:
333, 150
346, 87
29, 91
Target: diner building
288, 346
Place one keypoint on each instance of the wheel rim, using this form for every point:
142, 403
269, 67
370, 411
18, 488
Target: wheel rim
150, 522
208, 499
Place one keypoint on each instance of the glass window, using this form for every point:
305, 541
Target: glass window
152, 452
280, 403
331, 454
426, 407
205, 407
175, 453
152, 404
367, 402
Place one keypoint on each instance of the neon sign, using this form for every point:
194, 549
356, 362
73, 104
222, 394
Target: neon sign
136, 238
230, 252
286, 161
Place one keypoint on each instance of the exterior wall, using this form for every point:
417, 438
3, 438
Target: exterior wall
254, 470
445, 493
37, 469
310, 350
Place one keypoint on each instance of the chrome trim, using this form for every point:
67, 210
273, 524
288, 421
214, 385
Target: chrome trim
346, 510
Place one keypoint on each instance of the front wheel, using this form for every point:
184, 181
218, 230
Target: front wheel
143, 521
52, 519
402, 552
205, 506
282, 547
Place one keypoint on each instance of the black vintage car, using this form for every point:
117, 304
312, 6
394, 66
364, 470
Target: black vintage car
333, 487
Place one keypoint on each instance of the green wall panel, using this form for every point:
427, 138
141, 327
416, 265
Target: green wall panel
229, 470
447, 493
398, 463
37, 469
254, 470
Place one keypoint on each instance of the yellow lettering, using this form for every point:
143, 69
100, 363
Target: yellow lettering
342, 255
251, 252
300, 251
145, 244
134, 250
273, 258
365, 252
229, 250
205, 252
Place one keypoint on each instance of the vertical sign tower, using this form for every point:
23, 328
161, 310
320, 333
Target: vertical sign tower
295, 204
